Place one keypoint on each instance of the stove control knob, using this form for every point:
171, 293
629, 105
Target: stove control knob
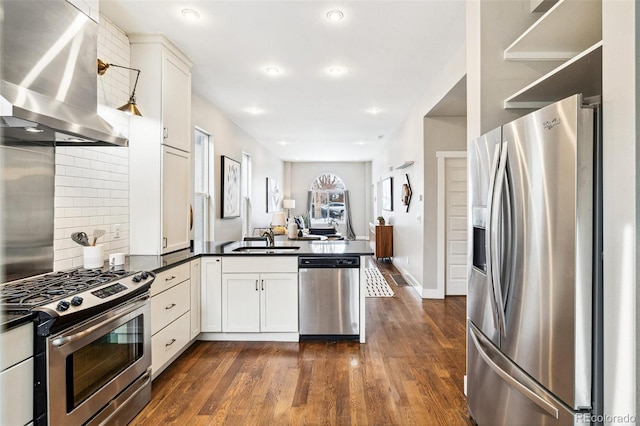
136, 278
77, 301
144, 275
63, 305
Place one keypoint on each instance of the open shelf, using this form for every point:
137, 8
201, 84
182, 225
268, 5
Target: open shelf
581, 74
565, 30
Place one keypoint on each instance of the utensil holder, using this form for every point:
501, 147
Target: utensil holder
93, 256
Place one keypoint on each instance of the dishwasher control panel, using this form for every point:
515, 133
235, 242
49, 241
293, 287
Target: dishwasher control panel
328, 262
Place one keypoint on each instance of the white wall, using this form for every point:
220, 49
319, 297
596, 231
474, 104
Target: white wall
619, 86
356, 177
407, 144
92, 184
231, 141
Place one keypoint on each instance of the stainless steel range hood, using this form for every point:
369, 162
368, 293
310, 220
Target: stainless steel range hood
48, 87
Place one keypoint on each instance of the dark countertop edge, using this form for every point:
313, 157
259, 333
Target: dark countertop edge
216, 248
15, 320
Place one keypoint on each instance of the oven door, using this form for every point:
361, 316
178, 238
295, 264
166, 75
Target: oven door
92, 363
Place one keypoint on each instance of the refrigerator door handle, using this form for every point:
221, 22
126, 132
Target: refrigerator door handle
496, 279
546, 406
488, 230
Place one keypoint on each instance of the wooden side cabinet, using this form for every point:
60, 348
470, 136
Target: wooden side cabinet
381, 240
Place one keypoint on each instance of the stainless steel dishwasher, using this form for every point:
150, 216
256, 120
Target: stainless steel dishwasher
329, 297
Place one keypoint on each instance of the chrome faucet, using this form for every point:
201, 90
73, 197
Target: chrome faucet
270, 238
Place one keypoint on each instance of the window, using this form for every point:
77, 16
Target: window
326, 203
203, 173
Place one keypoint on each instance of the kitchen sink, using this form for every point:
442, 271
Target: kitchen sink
277, 249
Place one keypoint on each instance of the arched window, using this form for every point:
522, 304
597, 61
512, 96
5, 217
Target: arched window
326, 201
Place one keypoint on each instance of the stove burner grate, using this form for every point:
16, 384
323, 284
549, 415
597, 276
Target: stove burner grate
32, 292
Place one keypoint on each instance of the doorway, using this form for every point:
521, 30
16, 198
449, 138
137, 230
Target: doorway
452, 223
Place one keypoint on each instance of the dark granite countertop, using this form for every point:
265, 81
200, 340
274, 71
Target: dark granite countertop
136, 263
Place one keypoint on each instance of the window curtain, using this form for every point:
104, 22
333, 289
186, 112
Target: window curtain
351, 235
309, 197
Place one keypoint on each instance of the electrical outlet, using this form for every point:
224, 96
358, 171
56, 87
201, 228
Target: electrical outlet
116, 231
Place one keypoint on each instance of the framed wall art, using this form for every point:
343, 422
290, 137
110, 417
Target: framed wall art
230, 203
387, 194
273, 195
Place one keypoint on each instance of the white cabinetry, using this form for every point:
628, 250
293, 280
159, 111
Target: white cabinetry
160, 141
253, 303
175, 199
250, 298
211, 315
578, 45
16, 375
170, 316
195, 298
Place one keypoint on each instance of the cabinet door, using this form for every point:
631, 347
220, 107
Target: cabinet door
175, 199
16, 388
240, 303
176, 104
279, 302
211, 316
195, 298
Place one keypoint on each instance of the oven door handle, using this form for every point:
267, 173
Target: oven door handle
125, 310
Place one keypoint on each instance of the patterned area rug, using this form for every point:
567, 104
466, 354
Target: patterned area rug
376, 284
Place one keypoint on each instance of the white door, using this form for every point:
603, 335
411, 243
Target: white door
456, 226
240, 303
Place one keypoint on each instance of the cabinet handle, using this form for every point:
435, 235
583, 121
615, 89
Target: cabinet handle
164, 242
256, 285
172, 277
165, 132
166, 345
262, 283
171, 306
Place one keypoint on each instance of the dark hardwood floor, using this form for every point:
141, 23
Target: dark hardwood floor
410, 372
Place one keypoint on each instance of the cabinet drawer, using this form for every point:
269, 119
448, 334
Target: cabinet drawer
16, 388
169, 341
170, 277
169, 305
16, 345
259, 264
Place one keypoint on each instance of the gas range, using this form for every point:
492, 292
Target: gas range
72, 295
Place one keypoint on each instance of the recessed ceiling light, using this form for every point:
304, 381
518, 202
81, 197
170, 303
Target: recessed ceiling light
335, 70
282, 143
360, 143
373, 110
190, 14
335, 15
272, 70
33, 130
254, 110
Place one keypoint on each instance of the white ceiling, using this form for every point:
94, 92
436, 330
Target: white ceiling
388, 50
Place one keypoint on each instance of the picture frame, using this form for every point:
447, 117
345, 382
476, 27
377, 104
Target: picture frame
273, 195
230, 191
387, 194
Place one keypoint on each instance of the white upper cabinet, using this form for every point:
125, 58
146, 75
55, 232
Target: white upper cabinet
176, 104
159, 146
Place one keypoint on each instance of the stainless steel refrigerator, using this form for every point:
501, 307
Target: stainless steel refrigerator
534, 275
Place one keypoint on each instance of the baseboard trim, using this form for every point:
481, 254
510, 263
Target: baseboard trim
409, 278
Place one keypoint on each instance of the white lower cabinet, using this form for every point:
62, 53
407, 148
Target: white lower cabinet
195, 298
168, 343
16, 376
171, 298
211, 295
254, 303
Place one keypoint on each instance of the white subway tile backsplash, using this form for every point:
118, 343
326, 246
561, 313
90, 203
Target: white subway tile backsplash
92, 183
